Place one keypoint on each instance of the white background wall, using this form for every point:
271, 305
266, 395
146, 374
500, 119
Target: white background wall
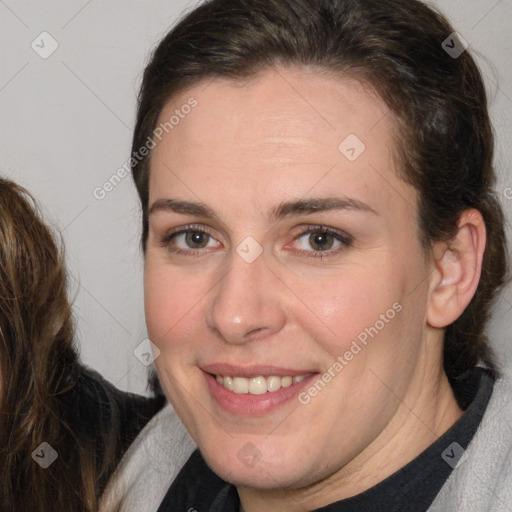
66, 126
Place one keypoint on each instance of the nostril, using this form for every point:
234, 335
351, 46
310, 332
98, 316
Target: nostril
255, 333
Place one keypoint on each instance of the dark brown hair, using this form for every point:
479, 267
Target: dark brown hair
444, 136
41, 398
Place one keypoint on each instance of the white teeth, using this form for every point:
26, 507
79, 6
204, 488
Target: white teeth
240, 385
258, 385
273, 383
228, 383
286, 382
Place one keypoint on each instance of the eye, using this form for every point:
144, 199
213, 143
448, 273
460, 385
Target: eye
189, 240
193, 240
321, 239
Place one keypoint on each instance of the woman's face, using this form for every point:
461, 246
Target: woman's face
280, 248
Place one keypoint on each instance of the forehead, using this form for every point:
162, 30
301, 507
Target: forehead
285, 131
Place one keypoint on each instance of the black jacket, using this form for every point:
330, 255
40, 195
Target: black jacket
105, 414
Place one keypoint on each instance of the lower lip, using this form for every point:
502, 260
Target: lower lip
245, 404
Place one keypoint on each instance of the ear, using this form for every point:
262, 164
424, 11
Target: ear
457, 268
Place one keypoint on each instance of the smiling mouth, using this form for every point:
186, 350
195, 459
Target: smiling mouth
258, 385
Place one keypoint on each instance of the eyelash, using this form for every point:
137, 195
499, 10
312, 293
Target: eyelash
195, 228
343, 238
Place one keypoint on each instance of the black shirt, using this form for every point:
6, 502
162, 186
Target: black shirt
412, 488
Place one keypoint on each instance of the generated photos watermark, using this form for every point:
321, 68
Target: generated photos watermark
109, 185
357, 345
45, 455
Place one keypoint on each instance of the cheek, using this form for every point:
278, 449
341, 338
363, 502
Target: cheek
348, 301
170, 304
362, 304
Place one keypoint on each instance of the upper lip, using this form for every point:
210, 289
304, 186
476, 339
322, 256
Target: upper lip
226, 369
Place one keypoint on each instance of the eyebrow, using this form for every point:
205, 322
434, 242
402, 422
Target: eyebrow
313, 205
183, 207
285, 209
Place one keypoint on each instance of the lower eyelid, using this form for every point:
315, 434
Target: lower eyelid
167, 241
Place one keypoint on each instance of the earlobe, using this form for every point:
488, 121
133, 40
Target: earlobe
456, 270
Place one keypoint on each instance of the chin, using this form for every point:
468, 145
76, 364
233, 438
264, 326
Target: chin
248, 467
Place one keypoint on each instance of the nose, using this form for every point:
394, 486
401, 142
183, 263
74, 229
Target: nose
246, 304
